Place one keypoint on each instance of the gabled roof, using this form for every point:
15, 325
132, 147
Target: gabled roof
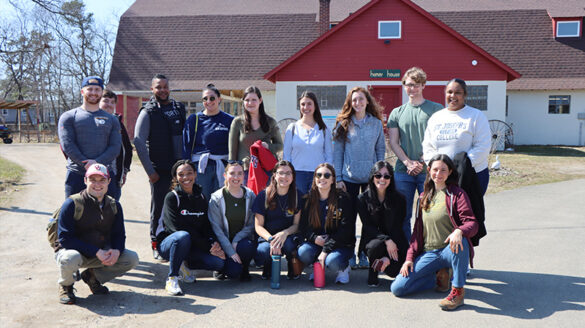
193, 51
523, 39
556, 8
271, 75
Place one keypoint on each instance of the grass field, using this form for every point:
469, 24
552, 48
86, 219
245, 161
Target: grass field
530, 165
10, 174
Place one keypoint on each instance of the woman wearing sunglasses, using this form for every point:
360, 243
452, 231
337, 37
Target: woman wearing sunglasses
232, 220
382, 210
205, 140
254, 124
277, 210
307, 143
328, 225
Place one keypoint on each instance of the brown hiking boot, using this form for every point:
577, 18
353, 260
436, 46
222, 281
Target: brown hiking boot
454, 300
443, 280
66, 295
94, 285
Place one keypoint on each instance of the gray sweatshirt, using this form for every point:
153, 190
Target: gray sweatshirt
89, 135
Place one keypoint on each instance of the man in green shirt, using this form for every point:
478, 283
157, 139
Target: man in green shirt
407, 125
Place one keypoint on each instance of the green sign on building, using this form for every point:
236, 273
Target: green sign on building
385, 73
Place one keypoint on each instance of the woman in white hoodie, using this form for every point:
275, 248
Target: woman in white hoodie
232, 221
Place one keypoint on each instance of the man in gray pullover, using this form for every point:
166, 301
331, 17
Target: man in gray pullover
89, 135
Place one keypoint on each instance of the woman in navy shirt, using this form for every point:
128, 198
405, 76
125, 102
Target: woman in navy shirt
205, 141
277, 210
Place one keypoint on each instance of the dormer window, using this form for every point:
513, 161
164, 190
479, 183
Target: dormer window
568, 29
389, 29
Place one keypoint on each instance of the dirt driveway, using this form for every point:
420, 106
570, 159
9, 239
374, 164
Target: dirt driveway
520, 279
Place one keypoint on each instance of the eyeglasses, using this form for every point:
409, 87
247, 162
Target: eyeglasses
380, 176
284, 173
211, 98
323, 175
413, 85
233, 161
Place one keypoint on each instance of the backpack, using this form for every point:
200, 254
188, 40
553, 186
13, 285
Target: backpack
53, 225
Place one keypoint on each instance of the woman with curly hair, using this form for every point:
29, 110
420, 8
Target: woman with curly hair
358, 143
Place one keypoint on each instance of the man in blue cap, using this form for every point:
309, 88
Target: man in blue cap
89, 135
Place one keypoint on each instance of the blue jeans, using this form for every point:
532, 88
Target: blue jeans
208, 179
407, 184
176, 248
74, 184
245, 249
263, 250
427, 264
337, 260
484, 179
304, 179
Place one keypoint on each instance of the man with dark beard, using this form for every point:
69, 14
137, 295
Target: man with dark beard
89, 135
158, 141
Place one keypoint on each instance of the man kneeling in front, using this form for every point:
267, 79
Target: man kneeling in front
93, 239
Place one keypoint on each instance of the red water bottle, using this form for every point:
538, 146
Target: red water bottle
318, 275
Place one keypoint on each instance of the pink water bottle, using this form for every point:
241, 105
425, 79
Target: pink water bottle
318, 275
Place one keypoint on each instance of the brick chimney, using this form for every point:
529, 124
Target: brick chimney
324, 16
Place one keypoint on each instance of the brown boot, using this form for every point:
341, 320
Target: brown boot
443, 280
66, 294
94, 285
454, 300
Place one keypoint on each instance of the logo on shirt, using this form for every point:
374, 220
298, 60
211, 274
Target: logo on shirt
100, 120
254, 161
186, 212
221, 127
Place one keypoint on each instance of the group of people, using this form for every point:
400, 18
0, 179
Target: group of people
220, 197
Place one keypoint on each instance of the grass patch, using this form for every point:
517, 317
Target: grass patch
10, 174
531, 165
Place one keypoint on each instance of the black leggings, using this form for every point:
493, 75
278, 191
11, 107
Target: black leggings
376, 249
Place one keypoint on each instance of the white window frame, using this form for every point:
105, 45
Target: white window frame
390, 37
571, 35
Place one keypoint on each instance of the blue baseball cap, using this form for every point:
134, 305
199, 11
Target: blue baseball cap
92, 80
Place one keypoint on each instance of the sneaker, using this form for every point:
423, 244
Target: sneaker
95, 286
443, 280
363, 261
343, 276
352, 263
66, 295
218, 275
373, 280
187, 275
454, 300
172, 286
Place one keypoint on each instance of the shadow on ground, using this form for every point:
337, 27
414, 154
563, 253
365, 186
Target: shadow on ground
525, 295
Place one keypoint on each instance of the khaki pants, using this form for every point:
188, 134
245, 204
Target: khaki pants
70, 260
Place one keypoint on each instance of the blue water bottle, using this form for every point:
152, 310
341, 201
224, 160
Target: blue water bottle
275, 278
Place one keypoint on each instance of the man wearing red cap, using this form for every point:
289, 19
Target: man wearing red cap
93, 239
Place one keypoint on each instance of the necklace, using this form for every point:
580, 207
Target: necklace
283, 208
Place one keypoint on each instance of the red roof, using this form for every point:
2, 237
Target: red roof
510, 73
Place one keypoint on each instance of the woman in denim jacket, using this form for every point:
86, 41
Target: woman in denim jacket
358, 143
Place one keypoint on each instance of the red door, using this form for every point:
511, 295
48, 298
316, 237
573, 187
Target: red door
388, 97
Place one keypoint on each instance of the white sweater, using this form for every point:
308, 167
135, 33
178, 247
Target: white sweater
451, 132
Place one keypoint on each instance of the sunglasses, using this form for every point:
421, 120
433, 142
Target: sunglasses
323, 175
380, 176
212, 98
232, 161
